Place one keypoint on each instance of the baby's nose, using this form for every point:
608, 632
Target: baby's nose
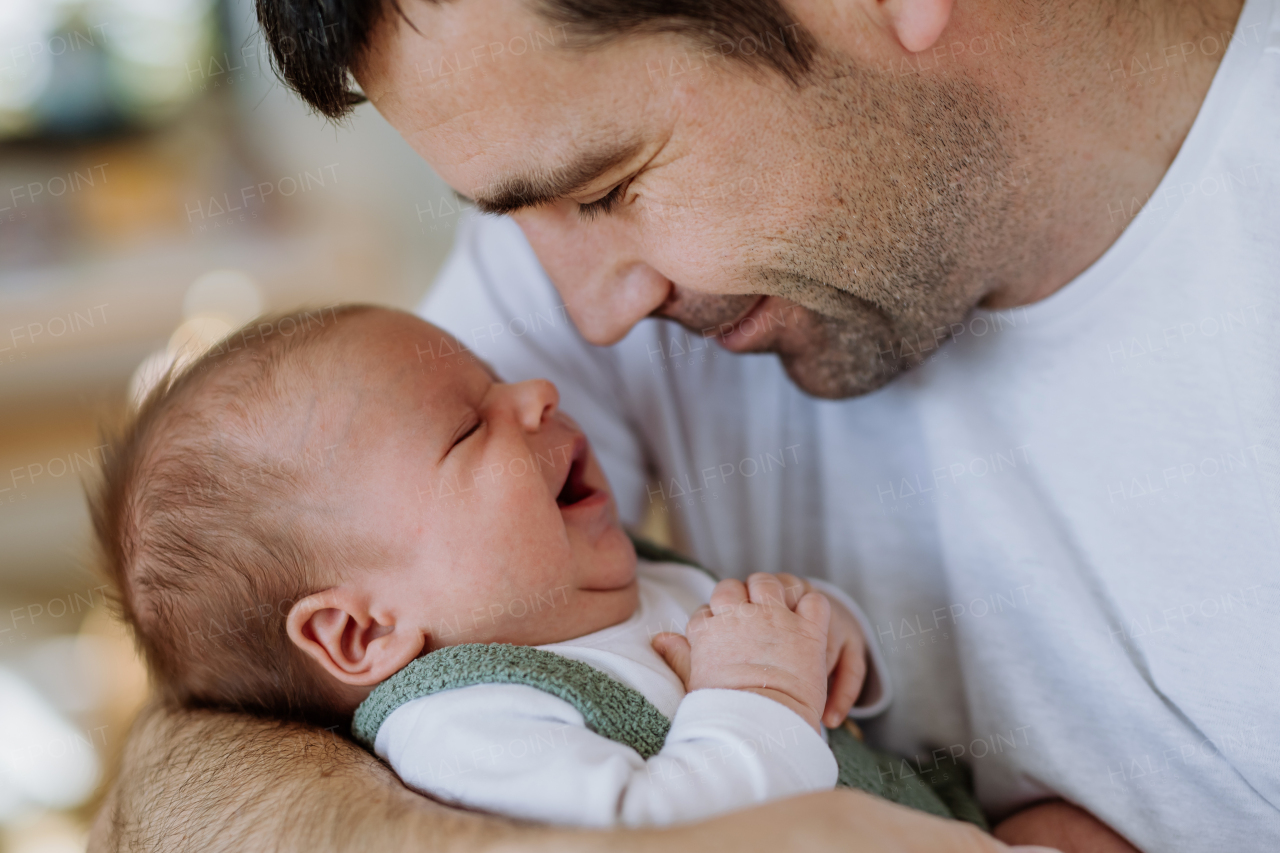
536, 400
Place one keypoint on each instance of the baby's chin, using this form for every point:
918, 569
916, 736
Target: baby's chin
609, 562
611, 607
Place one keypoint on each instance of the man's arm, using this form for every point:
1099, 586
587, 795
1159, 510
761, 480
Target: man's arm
207, 782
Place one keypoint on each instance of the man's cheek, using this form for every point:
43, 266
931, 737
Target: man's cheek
548, 239
697, 261
718, 252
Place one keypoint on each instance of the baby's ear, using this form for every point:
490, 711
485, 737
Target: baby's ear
338, 630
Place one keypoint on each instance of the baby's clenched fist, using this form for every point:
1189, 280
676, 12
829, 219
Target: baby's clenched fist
748, 638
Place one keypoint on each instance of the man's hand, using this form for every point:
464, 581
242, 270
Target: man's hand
823, 822
747, 638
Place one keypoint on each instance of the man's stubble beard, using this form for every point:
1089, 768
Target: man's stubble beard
911, 237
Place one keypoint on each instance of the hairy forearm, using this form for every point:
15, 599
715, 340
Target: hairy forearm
206, 781
209, 782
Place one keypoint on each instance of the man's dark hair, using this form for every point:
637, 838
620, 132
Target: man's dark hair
315, 43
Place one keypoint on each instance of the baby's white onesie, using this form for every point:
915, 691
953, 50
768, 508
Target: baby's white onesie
522, 752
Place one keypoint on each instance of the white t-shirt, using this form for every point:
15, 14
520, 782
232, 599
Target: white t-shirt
1063, 525
520, 751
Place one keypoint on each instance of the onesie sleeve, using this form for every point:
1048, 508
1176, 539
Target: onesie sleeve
877, 692
522, 752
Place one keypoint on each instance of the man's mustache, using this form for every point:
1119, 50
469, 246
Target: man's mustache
707, 313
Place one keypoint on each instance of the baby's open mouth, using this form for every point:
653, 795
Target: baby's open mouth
575, 488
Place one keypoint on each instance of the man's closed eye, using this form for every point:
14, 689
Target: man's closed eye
602, 206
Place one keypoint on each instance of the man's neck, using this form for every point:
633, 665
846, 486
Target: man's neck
1108, 116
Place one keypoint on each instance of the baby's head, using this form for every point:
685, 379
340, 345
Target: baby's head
324, 497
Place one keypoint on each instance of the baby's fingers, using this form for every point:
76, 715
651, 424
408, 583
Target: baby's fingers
729, 594
815, 607
766, 589
674, 649
846, 686
794, 588
699, 621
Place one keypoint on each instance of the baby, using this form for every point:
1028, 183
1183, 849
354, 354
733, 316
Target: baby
345, 514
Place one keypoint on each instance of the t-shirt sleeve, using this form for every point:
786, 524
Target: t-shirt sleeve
522, 752
493, 295
877, 691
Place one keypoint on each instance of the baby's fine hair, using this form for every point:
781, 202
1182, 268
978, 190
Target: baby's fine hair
207, 536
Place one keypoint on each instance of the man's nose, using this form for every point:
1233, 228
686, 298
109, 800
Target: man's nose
610, 302
605, 283
534, 400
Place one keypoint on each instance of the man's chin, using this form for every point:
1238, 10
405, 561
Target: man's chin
837, 358
834, 379
826, 372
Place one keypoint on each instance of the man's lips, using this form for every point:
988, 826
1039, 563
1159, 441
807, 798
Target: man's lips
756, 328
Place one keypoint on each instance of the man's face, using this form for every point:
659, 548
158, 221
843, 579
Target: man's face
826, 222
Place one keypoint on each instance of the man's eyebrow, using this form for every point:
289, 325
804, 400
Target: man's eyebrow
515, 192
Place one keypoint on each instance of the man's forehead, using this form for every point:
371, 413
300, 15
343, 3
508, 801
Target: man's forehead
447, 64
500, 109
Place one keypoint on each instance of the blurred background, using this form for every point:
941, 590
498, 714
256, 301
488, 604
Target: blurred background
158, 187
